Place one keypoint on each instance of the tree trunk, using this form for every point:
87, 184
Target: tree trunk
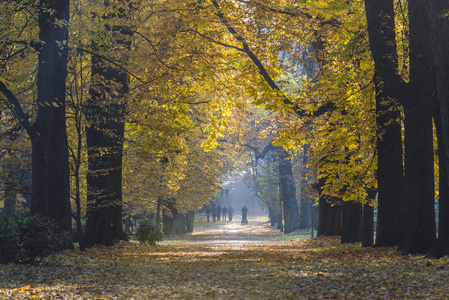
174, 223
418, 137
305, 209
25, 186
104, 178
9, 208
280, 219
280, 222
158, 210
443, 222
79, 227
288, 193
50, 164
388, 84
329, 213
329, 218
106, 111
351, 225
271, 216
190, 221
305, 204
439, 24
390, 178
368, 221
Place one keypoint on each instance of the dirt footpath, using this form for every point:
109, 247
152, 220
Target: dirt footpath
226, 260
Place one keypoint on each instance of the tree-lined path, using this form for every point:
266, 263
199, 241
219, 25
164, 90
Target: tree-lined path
225, 232
225, 260
123, 121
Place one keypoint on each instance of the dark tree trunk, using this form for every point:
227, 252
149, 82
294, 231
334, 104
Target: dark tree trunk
390, 178
351, 224
280, 219
158, 210
76, 174
418, 137
329, 218
314, 217
105, 145
50, 163
368, 221
443, 221
271, 216
368, 226
305, 204
190, 221
106, 111
329, 212
288, 193
439, 24
305, 216
25, 186
10, 187
381, 30
280, 223
9, 208
173, 222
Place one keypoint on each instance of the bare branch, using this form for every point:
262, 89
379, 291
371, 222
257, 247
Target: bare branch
263, 71
14, 105
266, 149
110, 61
220, 43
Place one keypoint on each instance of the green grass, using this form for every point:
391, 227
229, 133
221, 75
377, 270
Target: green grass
294, 236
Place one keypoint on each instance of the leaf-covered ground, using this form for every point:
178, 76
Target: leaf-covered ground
230, 261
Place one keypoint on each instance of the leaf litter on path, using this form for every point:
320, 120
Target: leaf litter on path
226, 260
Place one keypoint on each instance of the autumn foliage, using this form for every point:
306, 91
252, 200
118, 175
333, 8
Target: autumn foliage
224, 261
125, 110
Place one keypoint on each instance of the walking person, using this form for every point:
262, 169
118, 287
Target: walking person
224, 212
214, 213
230, 212
244, 214
218, 212
208, 213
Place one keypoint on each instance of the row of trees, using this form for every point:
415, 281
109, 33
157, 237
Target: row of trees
99, 54
383, 53
152, 83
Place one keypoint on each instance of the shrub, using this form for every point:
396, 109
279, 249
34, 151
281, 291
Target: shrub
9, 246
148, 232
28, 239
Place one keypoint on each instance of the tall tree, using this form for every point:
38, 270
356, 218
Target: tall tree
351, 227
381, 30
288, 193
106, 112
418, 136
418, 231
50, 163
439, 25
50, 175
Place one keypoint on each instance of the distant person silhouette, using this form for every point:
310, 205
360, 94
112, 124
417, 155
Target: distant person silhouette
230, 212
214, 213
244, 214
224, 212
208, 213
218, 212
227, 193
